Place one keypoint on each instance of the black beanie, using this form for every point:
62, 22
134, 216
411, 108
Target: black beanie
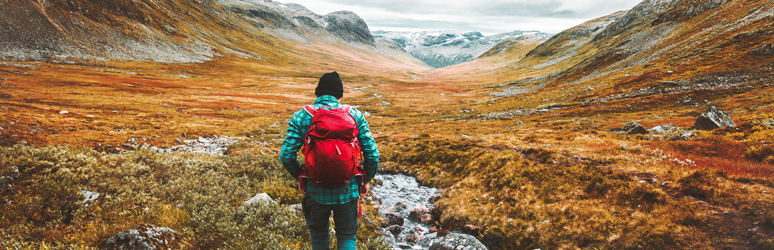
330, 84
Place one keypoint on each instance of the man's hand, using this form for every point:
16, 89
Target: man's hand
364, 189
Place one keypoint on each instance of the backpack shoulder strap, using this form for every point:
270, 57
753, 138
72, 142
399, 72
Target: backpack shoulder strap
346, 108
310, 109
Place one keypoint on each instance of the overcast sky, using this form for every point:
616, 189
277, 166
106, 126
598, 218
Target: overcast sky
486, 16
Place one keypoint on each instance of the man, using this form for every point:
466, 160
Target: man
320, 201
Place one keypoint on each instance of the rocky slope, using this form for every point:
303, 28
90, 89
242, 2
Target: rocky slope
169, 31
445, 48
655, 43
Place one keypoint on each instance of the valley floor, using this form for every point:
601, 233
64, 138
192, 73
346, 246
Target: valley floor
513, 174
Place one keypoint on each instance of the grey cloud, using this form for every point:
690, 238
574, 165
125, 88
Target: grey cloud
525, 8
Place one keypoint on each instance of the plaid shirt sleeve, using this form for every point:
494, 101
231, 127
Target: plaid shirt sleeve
293, 142
367, 145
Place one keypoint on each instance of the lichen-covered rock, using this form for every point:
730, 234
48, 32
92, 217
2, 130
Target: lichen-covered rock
712, 119
147, 237
661, 129
631, 128
252, 204
457, 241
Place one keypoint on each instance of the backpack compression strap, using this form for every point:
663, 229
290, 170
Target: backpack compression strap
310, 109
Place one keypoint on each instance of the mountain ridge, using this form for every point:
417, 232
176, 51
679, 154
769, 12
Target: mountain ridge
446, 48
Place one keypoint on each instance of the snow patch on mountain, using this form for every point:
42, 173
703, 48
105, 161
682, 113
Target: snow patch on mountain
445, 48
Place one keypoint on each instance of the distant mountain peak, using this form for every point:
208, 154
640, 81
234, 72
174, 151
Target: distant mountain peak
444, 48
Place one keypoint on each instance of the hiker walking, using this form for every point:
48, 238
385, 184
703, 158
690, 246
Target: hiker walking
334, 136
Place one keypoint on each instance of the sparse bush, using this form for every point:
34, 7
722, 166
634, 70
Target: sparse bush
197, 194
701, 184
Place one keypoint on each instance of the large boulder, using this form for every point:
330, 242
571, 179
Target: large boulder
249, 206
147, 237
457, 241
712, 119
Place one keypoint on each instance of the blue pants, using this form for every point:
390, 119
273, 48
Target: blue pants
344, 217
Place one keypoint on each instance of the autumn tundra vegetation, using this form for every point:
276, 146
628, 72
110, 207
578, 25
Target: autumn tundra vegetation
589, 139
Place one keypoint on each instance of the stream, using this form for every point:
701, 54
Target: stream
403, 205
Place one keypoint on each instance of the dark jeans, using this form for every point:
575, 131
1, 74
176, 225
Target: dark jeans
344, 218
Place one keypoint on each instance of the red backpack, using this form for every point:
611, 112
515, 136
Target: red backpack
331, 149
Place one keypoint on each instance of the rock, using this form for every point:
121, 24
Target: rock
178, 141
633, 128
684, 136
472, 229
492, 241
147, 237
64, 112
127, 146
298, 208
417, 212
661, 129
88, 197
389, 219
712, 119
426, 219
457, 241
398, 207
257, 200
413, 238
395, 230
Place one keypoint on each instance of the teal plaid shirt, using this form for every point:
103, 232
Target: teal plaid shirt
297, 128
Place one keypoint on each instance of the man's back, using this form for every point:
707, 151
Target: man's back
320, 202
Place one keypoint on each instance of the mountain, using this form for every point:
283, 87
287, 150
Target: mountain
177, 31
445, 48
659, 50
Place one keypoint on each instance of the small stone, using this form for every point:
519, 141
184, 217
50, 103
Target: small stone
426, 219
88, 197
298, 208
392, 219
413, 238
417, 212
395, 230
178, 141
64, 112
